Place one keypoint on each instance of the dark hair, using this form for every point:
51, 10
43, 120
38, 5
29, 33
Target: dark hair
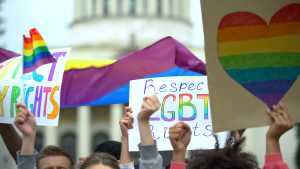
100, 158
53, 151
110, 147
230, 157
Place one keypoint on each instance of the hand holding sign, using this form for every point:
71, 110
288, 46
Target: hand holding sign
281, 121
25, 122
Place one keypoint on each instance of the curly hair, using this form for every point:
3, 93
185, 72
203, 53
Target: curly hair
229, 157
101, 158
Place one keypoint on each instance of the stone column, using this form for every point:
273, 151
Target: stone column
77, 10
51, 135
152, 4
113, 7
165, 8
116, 112
83, 131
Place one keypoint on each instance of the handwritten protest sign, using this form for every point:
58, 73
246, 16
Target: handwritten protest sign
11, 88
38, 90
11, 69
10, 95
182, 99
252, 51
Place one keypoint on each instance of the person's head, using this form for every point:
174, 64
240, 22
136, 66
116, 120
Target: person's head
229, 157
110, 147
52, 157
100, 161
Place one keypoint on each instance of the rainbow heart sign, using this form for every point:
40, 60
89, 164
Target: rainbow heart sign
263, 58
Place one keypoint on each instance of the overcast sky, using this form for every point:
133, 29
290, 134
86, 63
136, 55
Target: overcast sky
53, 17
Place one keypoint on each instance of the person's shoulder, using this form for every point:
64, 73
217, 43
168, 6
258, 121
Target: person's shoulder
6, 160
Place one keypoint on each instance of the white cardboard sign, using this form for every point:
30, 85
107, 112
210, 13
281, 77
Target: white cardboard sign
38, 90
183, 98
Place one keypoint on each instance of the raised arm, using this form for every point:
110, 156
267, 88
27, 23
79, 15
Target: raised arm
126, 124
150, 158
25, 122
180, 136
149, 106
11, 139
281, 122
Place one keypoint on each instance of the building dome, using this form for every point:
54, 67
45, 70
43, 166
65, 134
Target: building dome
115, 26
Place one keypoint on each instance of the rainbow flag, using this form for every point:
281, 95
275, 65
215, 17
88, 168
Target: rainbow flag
35, 52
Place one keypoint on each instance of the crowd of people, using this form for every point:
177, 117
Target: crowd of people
114, 155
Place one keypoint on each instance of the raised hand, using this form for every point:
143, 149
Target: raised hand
150, 105
281, 122
25, 121
126, 122
180, 137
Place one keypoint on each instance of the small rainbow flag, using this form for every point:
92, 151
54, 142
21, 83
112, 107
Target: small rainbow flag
35, 52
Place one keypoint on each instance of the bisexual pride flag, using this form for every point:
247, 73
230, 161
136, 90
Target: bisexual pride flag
108, 82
